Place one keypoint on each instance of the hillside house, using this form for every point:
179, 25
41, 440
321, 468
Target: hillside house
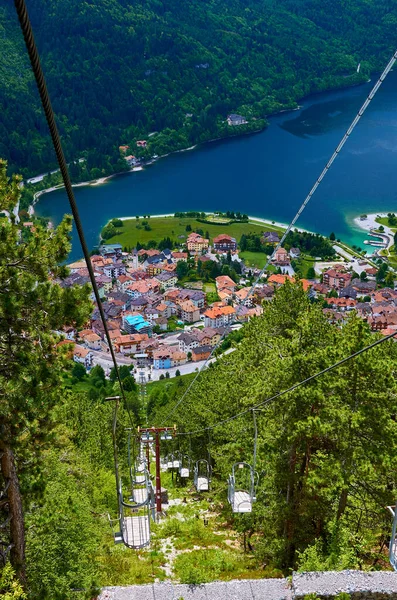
281, 257
151, 314
162, 359
219, 316
278, 280
201, 353
336, 278
294, 253
225, 283
77, 266
137, 324
166, 280
137, 289
130, 343
364, 287
187, 342
83, 356
70, 332
348, 292
195, 296
106, 282
161, 322
123, 281
178, 358
234, 119
265, 292
115, 269
111, 250
163, 310
97, 327
92, 341
245, 297
209, 336
196, 243
189, 312
270, 237
121, 299
177, 256
224, 243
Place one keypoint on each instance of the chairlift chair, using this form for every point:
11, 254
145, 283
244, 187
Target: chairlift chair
202, 472
241, 497
147, 437
141, 495
140, 465
184, 467
134, 530
176, 460
139, 473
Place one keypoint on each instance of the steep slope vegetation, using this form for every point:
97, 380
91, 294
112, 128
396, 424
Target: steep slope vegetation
118, 70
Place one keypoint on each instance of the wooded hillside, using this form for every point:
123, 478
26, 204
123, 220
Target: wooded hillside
118, 70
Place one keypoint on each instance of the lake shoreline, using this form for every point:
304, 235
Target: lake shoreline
254, 220
369, 223
105, 179
151, 161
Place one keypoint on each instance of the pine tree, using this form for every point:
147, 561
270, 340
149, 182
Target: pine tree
32, 307
326, 452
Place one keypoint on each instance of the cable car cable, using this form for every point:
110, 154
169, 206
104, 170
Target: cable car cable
306, 201
293, 387
34, 57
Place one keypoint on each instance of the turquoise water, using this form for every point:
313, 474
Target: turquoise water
266, 174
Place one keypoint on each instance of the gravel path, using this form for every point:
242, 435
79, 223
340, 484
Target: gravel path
361, 585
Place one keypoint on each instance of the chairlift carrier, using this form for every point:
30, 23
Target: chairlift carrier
202, 474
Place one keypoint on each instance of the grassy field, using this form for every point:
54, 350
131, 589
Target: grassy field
304, 263
172, 227
209, 288
385, 222
254, 259
168, 383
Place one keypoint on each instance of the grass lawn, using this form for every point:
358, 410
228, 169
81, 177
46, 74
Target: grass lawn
83, 386
256, 259
385, 222
304, 265
172, 227
164, 383
209, 288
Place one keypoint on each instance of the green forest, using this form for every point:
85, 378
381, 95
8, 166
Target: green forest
119, 71
325, 453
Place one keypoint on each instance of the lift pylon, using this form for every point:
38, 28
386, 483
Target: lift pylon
149, 435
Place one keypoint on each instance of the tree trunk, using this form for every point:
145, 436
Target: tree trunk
17, 525
290, 521
342, 503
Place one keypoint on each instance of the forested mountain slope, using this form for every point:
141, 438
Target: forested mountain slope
118, 70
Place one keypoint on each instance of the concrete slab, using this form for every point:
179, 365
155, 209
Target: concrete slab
163, 591
360, 584
270, 589
218, 589
132, 592
191, 592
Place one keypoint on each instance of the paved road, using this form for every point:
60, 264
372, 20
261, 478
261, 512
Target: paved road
105, 360
191, 367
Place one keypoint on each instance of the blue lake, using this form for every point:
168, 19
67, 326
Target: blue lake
266, 174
